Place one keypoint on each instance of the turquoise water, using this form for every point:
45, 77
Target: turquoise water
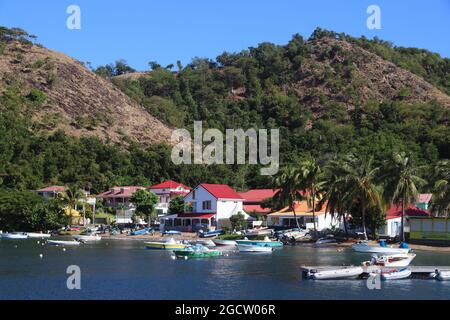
126, 270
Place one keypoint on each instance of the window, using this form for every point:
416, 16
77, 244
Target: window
193, 195
177, 222
206, 205
186, 222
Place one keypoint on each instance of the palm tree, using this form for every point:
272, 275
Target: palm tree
441, 189
71, 197
359, 187
402, 183
311, 180
288, 181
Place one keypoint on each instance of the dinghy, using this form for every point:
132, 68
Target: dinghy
140, 232
86, 237
63, 243
206, 243
442, 275
258, 232
338, 273
325, 241
197, 251
169, 244
38, 235
265, 243
364, 247
14, 236
395, 274
253, 248
394, 260
171, 232
220, 242
210, 234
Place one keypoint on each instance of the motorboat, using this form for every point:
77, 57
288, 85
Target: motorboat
210, 234
14, 236
63, 243
140, 232
206, 243
393, 260
338, 273
172, 232
221, 242
442, 275
197, 251
395, 274
262, 231
265, 243
38, 235
253, 248
87, 237
364, 247
326, 241
169, 244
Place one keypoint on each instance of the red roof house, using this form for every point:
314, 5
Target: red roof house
253, 199
169, 184
221, 191
395, 211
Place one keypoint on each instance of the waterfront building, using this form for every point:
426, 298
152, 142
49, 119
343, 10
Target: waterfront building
119, 198
166, 191
392, 227
253, 200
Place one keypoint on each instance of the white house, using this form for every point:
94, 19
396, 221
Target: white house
166, 191
211, 205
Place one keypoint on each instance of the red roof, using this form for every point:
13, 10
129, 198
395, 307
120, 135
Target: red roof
120, 192
221, 191
395, 211
258, 195
52, 189
249, 208
424, 197
169, 184
196, 215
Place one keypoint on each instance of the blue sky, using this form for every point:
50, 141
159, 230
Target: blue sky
171, 30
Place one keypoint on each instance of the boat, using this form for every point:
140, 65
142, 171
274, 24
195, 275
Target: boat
87, 237
265, 243
169, 244
394, 260
38, 235
14, 236
197, 251
395, 274
209, 234
338, 273
171, 232
442, 275
206, 243
221, 242
325, 241
364, 247
262, 231
253, 248
140, 232
63, 243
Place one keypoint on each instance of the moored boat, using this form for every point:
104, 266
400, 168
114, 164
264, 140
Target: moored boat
338, 273
221, 242
169, 244
14, 236
253, 248
442, 275
364, 247
394, 260
140, 232
325, 241
259, 232
210, 234
197, 251
38, 235
63, 243
395, 274
86, 237
206, 243
265, 243
172, 232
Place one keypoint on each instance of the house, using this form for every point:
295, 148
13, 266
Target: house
285, 217
211, 205
423, 202
119, 198
429, 230
394, 219
166, 191
51, 192
253, 199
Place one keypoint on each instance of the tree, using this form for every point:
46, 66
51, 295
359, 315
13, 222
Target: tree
145, 202
176, 205
71, 197
238, 221
289, 183
441, 189
401, 183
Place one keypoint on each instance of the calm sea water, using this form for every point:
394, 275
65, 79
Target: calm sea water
114, 269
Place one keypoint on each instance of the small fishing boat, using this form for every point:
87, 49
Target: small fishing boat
394, 260
364, 247
338, 273
258, 232
395, 274
442, 275
253, 248
210, 234
325, 241
197, 251
172, 232
140, 232
265, 243
87, 237
221, 242
63, 243
206, 243
169, 244
38, 235
14, 236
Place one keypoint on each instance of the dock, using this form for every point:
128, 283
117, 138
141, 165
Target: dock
417, 272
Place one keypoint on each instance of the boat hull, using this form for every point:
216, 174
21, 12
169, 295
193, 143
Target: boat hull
253, 248
63, 243
375, 249
10, 236
342, 273
87, 238
38, 235
273, 244
219, 242
395, 274
395, 260
164, 246
192, 254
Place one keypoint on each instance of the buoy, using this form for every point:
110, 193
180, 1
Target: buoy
15, 246
173, 257
185, 257
41, 256
64, 249
38, 242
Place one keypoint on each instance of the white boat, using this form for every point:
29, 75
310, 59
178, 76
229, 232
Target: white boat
14, 236
206, 243
81, 237
253, 248
442, 275
63, 243
395, 274
364, 247
259, 231
38, 235
325, 241
338, 273
220, 242
393, 260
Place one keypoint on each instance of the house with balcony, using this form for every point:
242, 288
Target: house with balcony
51, 192
166, 191
119, 198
